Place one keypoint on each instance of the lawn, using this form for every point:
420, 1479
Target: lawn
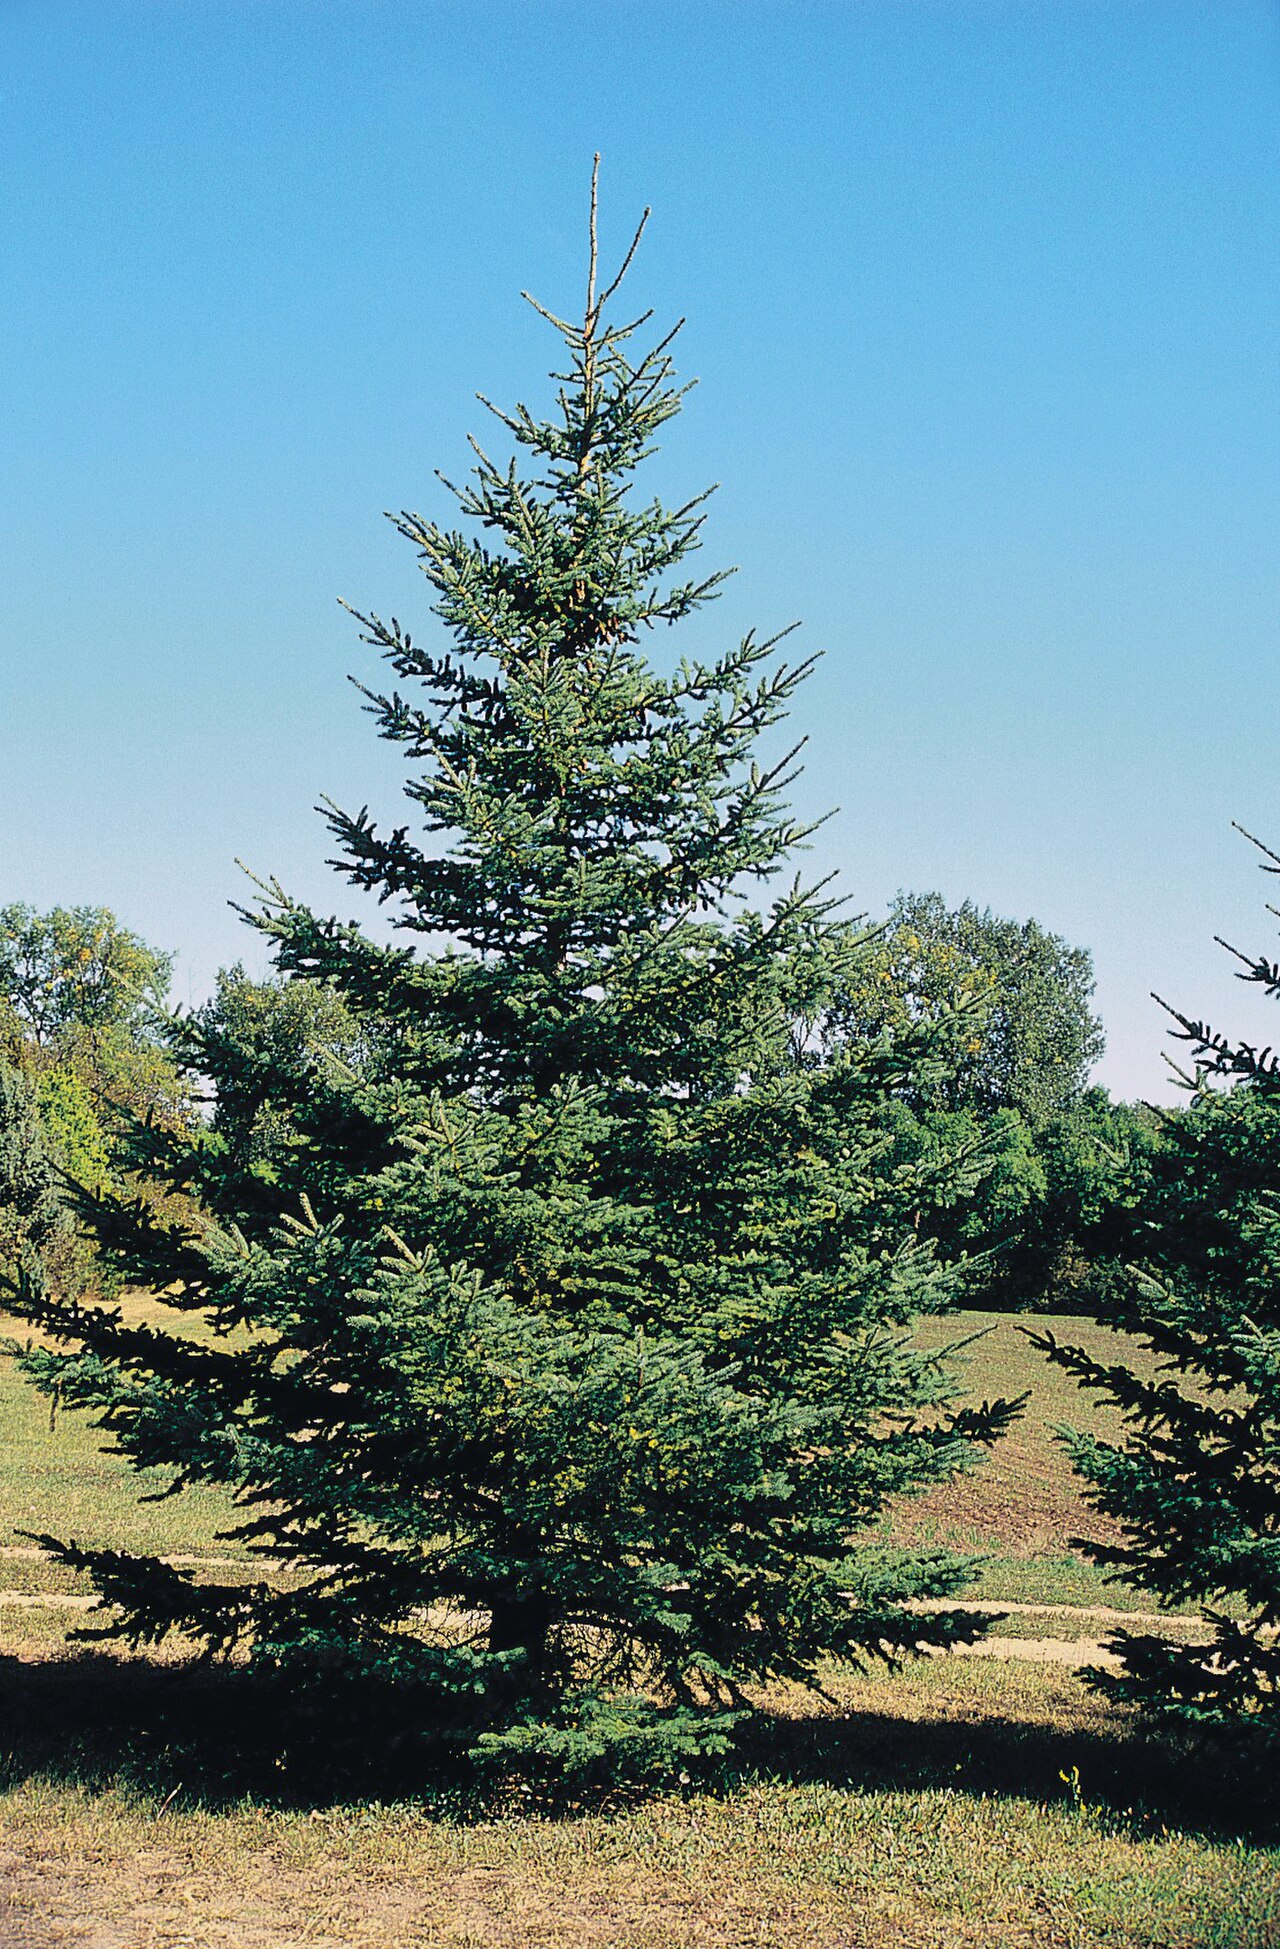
974, 1803
1022, 1511
55, 1476
965, 1805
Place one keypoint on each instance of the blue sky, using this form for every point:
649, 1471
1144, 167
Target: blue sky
983, 303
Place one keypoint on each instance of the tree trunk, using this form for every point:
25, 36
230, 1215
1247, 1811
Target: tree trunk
522, 1623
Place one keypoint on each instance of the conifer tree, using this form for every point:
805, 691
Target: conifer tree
560, 1351
1195, 1483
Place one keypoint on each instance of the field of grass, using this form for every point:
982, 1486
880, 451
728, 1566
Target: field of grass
54, 1476
1025, 1502
1023, 1511
967, 1803
1022, 1507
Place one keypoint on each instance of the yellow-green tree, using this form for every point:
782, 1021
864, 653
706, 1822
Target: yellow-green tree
1013, 998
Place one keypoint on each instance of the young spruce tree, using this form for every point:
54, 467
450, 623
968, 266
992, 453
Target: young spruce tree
1195, 1484
559, 1349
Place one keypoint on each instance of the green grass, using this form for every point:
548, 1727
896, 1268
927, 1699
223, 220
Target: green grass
1024, 1504
963, 1804
1025, 1501
58, 1479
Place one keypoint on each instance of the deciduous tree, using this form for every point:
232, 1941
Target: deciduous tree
1023, 1037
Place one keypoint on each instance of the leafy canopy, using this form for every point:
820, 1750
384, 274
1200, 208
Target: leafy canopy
81, 1027
75, 968
1023, 1036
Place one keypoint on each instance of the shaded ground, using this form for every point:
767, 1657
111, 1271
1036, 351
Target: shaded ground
982, 1802
962, 1806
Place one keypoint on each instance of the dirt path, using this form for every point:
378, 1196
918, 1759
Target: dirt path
44, 1600
1095, 1613
1071, 1654
32, 1553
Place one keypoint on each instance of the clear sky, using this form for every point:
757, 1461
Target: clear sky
983, 302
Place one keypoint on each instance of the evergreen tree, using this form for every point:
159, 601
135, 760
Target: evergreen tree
561, 1353
1195, 1484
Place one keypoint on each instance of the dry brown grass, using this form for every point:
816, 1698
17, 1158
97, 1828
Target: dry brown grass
966, 1804
962, 1807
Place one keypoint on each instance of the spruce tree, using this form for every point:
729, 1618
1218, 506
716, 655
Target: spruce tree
560, 1348
1195, 1483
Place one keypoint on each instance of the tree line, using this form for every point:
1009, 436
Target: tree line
561, 1259
87, 1039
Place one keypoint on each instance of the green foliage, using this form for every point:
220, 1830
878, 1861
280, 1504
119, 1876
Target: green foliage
31, 1211
37, 1238
75, 970
1196, 1484
1014, 999
82, 997
1030, 1223
981, 1215
560, 1294
1005, 1007
72, 1127
1094, 1158
81, 1014
269, 1043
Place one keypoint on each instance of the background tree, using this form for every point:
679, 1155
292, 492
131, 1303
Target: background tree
82, 994
81, 1023
1195, 1484
1093, 1156
1026, 1039
36, 1233
566, 1369
76, 969
256, 1052
987, 1220
1008, 1007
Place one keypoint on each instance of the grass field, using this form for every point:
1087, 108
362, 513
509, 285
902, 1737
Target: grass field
1022, 1511
1022, 1507
976, 1803
930, 1813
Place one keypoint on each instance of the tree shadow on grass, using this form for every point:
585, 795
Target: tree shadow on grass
1219, 1786
211, 1736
